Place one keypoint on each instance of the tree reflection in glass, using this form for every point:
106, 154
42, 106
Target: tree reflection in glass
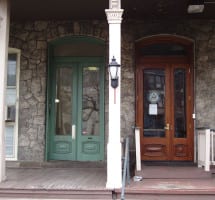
90, 101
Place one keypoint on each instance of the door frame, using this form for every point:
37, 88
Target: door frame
51, 62
140, 60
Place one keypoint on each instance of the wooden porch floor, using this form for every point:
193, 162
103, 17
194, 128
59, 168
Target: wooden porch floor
173, 180
160, 180
55, 178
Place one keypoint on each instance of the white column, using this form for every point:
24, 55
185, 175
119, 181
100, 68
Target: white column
4, 37
114, 154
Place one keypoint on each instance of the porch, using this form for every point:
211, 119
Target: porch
163, 182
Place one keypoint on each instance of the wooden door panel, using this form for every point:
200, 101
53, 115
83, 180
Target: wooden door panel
182, 132
176, 140
155, 150
155, 141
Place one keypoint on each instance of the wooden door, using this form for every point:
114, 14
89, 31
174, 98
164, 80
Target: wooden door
76, 109
164, 110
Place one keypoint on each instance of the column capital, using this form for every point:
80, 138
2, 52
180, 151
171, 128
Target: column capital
114, 16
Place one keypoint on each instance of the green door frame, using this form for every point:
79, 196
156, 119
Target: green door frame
49, 118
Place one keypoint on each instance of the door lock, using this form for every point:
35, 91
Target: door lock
167, 127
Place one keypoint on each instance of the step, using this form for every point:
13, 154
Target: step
54, 194
167, 196
56, 164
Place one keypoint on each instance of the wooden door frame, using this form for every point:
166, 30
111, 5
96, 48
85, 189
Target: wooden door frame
188, 60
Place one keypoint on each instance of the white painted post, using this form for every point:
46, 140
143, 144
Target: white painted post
137, 144
4, 37
114, 154
207, 149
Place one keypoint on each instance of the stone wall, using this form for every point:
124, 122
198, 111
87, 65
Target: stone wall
32, 38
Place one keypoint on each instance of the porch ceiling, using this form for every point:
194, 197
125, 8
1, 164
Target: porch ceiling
94, 9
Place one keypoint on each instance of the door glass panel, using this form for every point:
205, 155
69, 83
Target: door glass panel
154, 102
90, 101
180, 103
63, 101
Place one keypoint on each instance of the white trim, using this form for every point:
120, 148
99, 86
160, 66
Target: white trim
4, 39
18, 53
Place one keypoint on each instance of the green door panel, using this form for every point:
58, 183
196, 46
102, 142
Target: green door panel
91, 113
75, 129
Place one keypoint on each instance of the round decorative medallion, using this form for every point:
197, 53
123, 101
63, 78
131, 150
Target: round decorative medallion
153, 96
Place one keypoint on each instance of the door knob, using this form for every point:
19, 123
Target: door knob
167, 127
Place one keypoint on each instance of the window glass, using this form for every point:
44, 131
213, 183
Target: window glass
11, 70
163, 49
154, 102
180, 103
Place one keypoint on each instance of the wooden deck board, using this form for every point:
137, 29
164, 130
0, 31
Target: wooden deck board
55, 178
173, 180
157, 180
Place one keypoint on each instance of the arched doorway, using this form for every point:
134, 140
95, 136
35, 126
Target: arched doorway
75, 99
164, 98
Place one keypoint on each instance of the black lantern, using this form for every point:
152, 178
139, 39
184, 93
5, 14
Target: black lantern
113, 70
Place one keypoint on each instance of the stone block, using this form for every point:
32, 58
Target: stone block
41, 45
36, 86
40, 25
39, 120
26, 75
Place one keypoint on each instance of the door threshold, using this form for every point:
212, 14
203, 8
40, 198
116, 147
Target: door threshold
169, 163
56, 164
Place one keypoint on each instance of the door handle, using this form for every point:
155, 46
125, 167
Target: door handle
73, 132
167, 127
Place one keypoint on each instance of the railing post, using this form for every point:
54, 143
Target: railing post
137, 145
207, 149
212, 146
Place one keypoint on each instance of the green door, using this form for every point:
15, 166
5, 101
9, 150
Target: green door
76, 109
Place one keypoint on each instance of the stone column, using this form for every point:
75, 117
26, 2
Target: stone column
4, 37
114, 166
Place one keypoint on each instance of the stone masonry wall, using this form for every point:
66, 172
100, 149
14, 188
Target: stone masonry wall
32, 38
